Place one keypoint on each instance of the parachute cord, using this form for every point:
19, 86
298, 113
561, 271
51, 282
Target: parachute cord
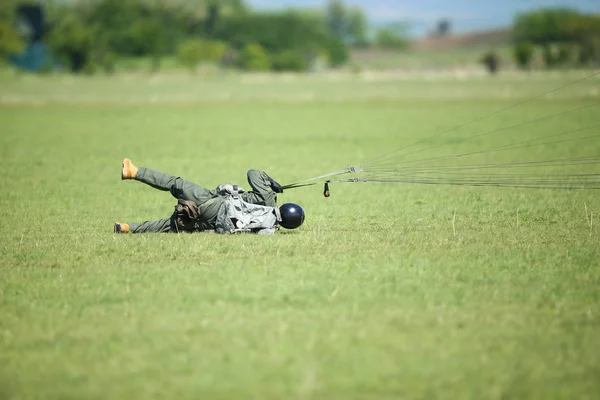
348, 170
420, 171
455, 128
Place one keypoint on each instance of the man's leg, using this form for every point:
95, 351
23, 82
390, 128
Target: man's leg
162, 225
179, 188
262, 192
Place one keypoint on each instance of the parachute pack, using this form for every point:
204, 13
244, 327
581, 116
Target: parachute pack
237, 216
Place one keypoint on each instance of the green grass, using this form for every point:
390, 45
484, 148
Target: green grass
375, 296
415, 60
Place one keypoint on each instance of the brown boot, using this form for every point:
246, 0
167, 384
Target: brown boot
121, 228
129, 170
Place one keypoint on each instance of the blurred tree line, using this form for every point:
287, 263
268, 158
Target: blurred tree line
560, 37
90, 35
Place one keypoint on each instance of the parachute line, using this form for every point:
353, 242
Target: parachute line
455, 128
569, 172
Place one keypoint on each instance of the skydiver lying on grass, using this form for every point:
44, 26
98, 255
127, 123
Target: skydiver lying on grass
227, 209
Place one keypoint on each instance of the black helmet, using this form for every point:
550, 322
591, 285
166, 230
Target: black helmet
292, 215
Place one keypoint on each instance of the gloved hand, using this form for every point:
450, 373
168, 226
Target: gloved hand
275, 186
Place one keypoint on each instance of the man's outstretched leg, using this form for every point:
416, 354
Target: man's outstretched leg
179, 188
162, 225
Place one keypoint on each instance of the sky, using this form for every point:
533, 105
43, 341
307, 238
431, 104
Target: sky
421, 15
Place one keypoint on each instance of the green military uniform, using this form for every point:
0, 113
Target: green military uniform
208, 201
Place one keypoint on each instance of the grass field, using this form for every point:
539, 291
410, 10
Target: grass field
386, 291
415, 60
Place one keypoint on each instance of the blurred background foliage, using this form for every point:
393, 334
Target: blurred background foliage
93, 35
565, 37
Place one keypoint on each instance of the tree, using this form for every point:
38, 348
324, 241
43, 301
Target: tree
7, 11
547, 26
336, 50
491, 61
347, 24
523, 53
212, 19
148, 38
214, 50
98, 31
254, 58
72, 41
558, 32
550, 55
116, 23
589, 51
10, 42
279, 32
289, 60
195, 51
392, 37
357, 27
336, 19
564, 54
189, 53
